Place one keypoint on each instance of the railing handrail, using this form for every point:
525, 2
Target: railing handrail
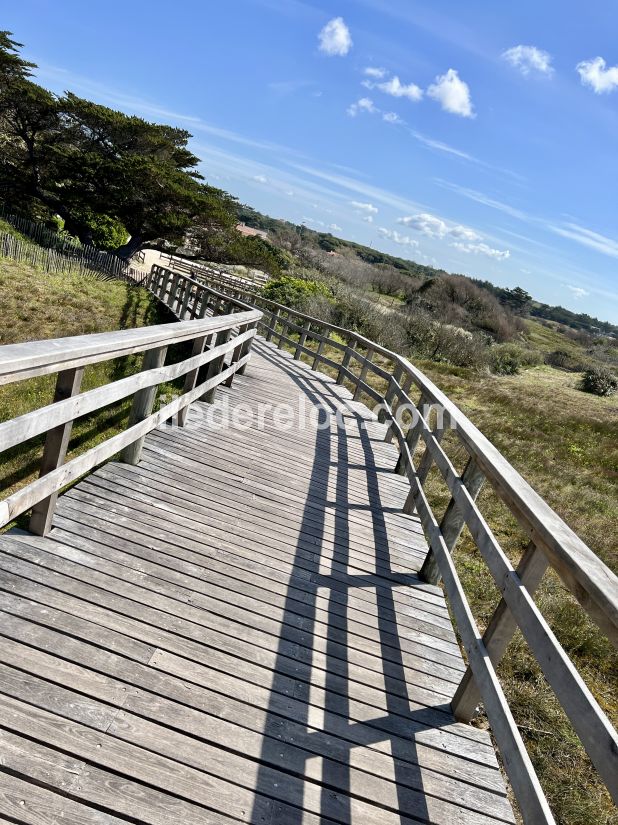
27, 360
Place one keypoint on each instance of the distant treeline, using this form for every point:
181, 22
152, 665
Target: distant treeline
516, 299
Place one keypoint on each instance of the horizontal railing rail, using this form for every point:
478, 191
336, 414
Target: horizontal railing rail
221, 330
550, 542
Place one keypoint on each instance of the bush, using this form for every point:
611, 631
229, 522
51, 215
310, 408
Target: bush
509, 359
104, 231
599, 381
564, 361
294, 292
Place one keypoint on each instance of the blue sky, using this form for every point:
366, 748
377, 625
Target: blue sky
480, 137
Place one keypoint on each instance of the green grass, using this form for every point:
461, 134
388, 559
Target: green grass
38, 306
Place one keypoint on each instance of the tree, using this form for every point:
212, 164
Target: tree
73, 157
517, 299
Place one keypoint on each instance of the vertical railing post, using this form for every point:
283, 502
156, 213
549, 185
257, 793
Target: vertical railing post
301, 339
185, 300
246, 348
284, 329
191, 377
500, 631
412, 436
453, 521
143, 402
273, 323
68, 384
345, 362
390, 392
405, 389
363, 374
214, 367
318, 355
237, 353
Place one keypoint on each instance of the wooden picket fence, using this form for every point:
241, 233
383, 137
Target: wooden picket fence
55, 254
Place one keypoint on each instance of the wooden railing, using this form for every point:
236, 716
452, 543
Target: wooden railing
220, 345
195, 269
550, 542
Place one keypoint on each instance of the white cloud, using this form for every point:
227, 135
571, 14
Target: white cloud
396, 88
365, 207
314, 221
529, 59
374, 71
368, 218
452, 93
587, 237
260, 178
393, 235
482, 249
577, 291
335, 38
594, 73
365, 104
391, 117
435, 227
334, 227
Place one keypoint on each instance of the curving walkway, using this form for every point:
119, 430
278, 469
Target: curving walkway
233, 630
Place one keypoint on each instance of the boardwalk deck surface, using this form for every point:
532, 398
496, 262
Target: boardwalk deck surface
233, 630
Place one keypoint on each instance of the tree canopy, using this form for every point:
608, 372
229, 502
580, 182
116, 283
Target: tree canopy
97, 167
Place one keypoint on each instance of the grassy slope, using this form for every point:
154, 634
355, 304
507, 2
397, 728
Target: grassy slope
36, 306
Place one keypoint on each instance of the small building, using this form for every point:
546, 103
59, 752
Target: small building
250, 232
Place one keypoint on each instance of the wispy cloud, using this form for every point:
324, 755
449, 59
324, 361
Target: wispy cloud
529, 60
576, 291
434, 227
364, 207
594, 73
452, 93
486, 200
364, 104
392, 117
375, 72
335, 38
482, 249
260, 178
395, 88
334, 227
393, 235
587, 237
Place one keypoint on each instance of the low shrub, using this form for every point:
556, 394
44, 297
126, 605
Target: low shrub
564, 361
599, 381
294, 292
510, 359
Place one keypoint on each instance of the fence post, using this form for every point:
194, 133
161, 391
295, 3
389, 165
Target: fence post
405, 388
191, 377
345, 362
214, 367
68, 384
390, 392
499, 633
363, 374
273, 323
412, 436
143, 402
453, 521
301, 340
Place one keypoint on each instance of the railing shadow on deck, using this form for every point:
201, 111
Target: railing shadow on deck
397, 726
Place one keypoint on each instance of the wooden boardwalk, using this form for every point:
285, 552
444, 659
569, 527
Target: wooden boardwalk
233, 630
